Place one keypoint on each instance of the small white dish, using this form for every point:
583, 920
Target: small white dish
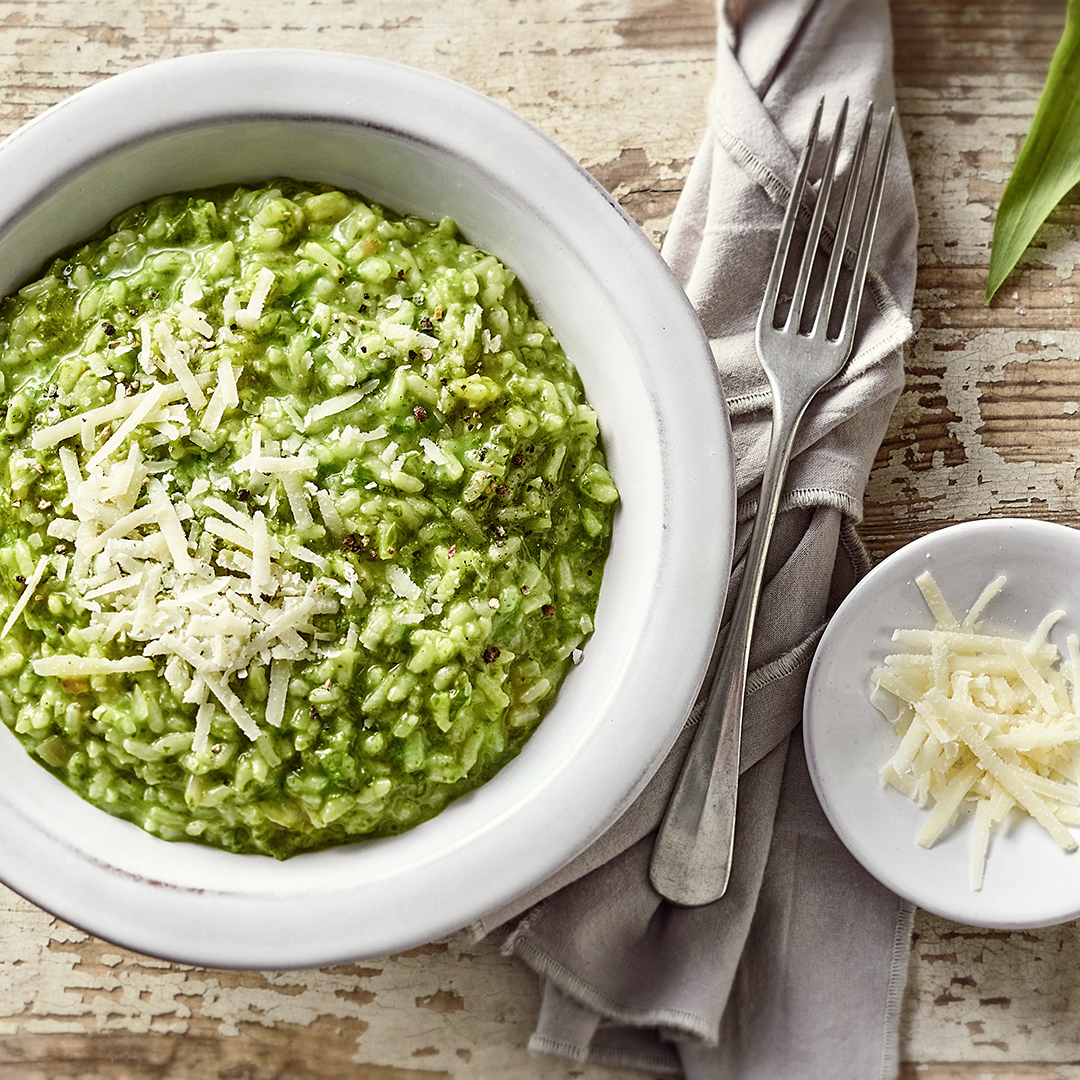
1029, 881
421, 144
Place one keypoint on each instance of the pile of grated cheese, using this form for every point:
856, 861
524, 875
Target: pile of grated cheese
985, 719
140, 569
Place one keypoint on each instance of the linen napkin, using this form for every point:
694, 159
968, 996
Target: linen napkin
798, 971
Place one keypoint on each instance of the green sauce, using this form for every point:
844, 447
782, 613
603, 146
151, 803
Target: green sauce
303, 516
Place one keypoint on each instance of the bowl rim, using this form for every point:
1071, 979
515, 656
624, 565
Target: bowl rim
247, 921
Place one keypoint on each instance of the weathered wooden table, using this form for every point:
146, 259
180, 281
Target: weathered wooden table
989, 425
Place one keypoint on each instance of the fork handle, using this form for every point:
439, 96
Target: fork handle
691, 859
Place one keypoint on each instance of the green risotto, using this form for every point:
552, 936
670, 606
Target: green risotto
303, 518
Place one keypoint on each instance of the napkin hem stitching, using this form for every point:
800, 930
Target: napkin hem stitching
666, 1064
787, 664
894, 998
806, 498
762, 175
545, 1044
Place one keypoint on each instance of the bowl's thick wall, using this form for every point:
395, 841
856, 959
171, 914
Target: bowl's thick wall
424, 145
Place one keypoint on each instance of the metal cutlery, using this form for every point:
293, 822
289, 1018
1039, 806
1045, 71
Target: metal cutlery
805, 336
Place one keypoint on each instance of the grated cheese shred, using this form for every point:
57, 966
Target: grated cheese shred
983, 718
24, 598
140, 570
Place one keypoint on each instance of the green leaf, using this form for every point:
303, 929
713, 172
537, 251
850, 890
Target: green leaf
1048, 165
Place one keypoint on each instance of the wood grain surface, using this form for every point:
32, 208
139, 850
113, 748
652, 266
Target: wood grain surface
989, 424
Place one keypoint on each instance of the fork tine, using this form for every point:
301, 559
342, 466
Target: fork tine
787, 229
843, 229
813, 236
866, 239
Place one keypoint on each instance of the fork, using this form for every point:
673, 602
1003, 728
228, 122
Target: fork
691, 859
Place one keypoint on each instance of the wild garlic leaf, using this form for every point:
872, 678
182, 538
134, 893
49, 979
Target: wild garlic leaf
1048, 164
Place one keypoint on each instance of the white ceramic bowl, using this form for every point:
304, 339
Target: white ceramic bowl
425, 145
1029, 881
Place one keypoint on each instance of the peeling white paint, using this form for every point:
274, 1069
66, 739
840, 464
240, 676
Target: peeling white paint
1006, 997
986, 481
458, 1006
